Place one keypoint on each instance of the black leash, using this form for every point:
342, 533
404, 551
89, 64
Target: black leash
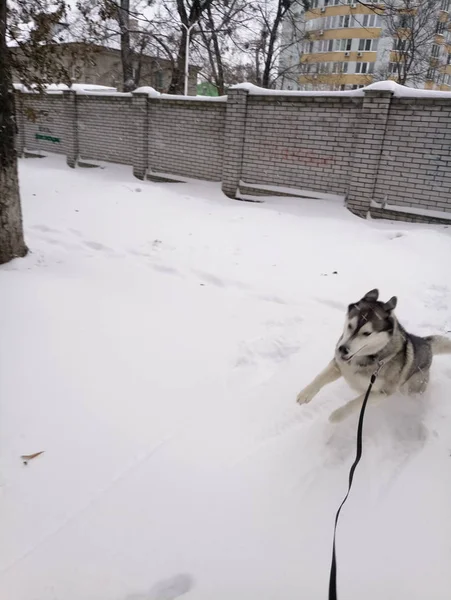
358, 456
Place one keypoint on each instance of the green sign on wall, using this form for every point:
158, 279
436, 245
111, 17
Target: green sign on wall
47, 138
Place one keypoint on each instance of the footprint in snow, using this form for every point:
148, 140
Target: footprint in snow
393, 235
97, 246
75, 232
165, 269
167, 589
274, 299
45, 229
209, 278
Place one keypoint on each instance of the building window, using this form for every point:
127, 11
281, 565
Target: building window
341, 21
371, 21
315, 3
435, 52
400, 45
405, 21
430, 76
364, 67
343, 45
447, 79
368, 45
445, 5
440, 28
340, 67
344, 21
326, 46
158, 80
392, 68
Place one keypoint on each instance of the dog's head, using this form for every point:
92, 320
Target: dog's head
368, 328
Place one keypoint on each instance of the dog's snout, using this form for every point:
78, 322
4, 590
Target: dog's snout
343, 349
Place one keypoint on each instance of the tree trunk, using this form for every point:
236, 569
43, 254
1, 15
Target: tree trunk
126, 52
177, 84
12, 242
216, 52
266, 79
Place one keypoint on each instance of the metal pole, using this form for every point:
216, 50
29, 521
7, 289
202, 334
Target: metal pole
188, 31
188, 36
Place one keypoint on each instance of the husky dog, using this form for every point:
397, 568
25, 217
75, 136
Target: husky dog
373, 340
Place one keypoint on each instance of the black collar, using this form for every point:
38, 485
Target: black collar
366, 361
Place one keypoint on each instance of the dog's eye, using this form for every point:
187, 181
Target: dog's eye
366, 333
349, 326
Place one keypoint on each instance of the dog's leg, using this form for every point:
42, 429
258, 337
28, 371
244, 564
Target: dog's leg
344, 411
330, 373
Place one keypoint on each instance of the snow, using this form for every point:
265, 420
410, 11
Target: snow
400, 91
152, 93
79, 88
397, 90
153, 343
254, 90
413, 210
292, 191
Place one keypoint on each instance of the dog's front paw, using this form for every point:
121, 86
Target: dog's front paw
306, 395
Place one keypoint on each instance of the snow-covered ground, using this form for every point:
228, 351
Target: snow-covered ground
153, 343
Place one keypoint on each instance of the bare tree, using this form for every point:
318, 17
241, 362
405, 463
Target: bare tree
413, 25
28, 26
123, 17
219, 30
189, 14
111, 20
12, 242
30, 33
263, 43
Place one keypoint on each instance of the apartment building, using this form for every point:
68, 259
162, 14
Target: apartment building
342, 45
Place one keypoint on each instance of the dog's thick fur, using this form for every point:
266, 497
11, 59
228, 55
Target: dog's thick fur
374, 339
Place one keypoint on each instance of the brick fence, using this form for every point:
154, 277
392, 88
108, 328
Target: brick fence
384, 152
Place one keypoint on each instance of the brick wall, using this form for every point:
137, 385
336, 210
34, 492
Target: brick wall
105, 128
186, 138
44, 116
385, 155
415, 165
302, 142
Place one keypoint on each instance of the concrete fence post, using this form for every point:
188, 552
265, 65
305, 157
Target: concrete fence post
367, 149
235, 129
70, 110
141, 134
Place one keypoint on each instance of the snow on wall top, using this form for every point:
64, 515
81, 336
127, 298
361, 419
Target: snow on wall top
78, 88
254, 90
402, 91
399, 91
152, 93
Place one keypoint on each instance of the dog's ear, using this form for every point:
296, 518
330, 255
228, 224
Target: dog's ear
351, 306
391, 304
371, 296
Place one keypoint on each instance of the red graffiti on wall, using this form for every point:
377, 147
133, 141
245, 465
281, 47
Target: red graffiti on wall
304, 156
